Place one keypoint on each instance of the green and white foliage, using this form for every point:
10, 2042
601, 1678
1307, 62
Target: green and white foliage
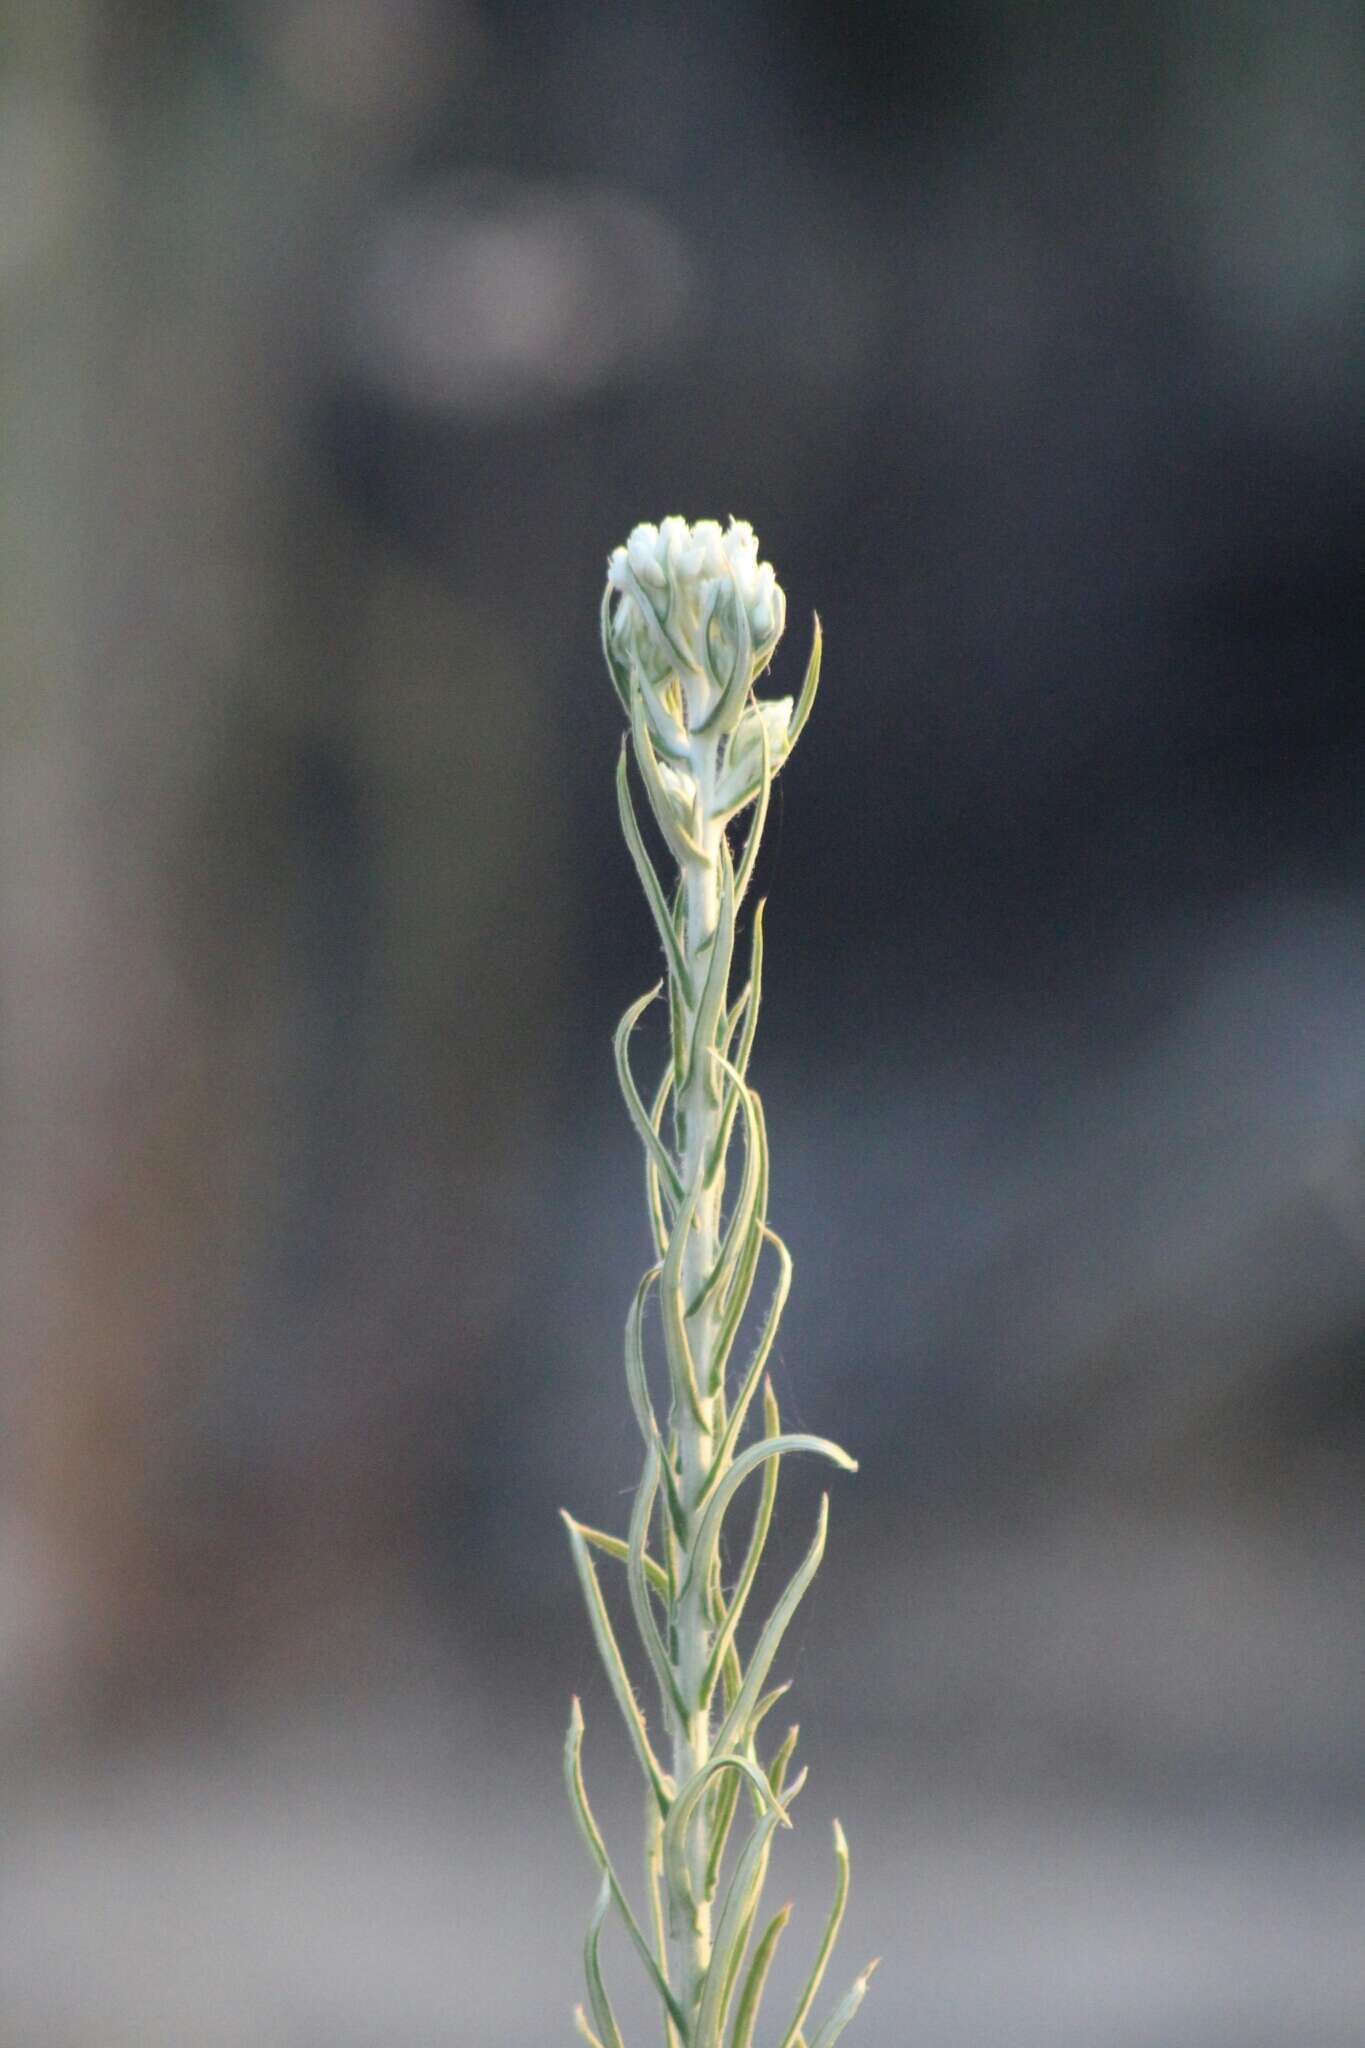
690, 619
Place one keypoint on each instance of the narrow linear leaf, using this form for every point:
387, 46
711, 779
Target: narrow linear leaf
827, 1940
771, 1639
796, 1788
731, 1677
753, 838
654, 1858
748, 1007
745, 1218
844, 2011
614, 1664
735, 1917
725, 711
636, 1381
809, 686
616, 669
654, 1200
767, 1703
683, 1812
741, 1943
677, 1033
749, 1460
782, 1756
682, 1367
721, 1819
753, 1372
592, 1970
711, 1001
679, 840
741, 1286
644, 1124
583, 2030
649, 880
746, 1043
734, 1017
592, 1835
638, 1585
763, 1516
617, 1547
751, 1996
665, 726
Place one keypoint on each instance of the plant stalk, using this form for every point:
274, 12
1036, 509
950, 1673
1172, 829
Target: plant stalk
700, 1127
690, 619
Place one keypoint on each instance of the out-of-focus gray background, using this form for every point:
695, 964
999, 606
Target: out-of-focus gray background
341, 339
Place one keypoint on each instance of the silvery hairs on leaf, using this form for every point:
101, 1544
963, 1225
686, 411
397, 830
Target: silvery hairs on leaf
690, 620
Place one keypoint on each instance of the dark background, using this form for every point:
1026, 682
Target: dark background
341, 341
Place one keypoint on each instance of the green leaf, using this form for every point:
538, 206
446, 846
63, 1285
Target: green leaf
809, 687
765, 1707
762, 1521
736, 1299
753, 1372
749, 1460
638, 1386
746, 1043
731, 1932
719, 1823
654, 1200
782, 1755
677, 1034
592, 1970
753, 838
682, 1367
733, 1019
649, 880
684, 1809
827, 1941
654, 1858
736, 1721
844, 2011
592, 1835
615, 1546
636, 1580
712, 999
636, 1382
614, 1664
668, 732
583, 2030
680, 842
620, 676
649, 1137
746, 1218
725, 711
746, 2012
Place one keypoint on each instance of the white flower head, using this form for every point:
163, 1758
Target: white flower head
693, 601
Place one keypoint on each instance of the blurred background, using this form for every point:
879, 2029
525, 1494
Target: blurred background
341, 340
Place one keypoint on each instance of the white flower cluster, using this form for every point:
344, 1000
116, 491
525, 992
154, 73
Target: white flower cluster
681, 589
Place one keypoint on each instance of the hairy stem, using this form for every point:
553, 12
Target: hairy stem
699, 1126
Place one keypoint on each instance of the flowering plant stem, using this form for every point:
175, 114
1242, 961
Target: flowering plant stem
690, 620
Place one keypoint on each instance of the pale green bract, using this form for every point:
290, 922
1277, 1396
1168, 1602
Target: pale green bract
690, 619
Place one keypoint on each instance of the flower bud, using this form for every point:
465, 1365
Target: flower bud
743, 770
687, 594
